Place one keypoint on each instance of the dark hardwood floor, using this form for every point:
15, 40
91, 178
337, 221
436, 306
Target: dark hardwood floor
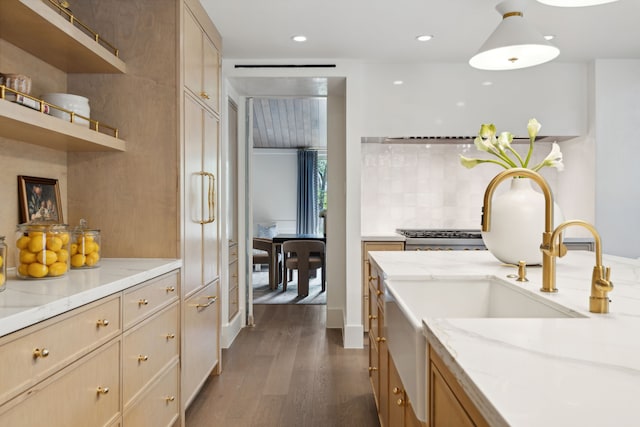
287, 371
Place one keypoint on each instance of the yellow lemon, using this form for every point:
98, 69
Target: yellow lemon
2, 279
27, 257
63, 255
47, 257
57, 269
33, 234
64, 237
1, 261
37, 243
74, 248
96, 247
92, 259
87, 248
23, 242
23, 270
54, 243
38, 270
78, 260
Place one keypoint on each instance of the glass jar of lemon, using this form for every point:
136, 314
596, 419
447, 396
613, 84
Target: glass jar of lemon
42, 250
85, 246
3, 264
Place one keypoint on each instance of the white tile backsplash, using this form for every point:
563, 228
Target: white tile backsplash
424, 186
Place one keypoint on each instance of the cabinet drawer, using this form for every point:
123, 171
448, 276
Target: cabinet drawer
201, 346
86, 393
159, 406
29, 356
148, 348
149, 297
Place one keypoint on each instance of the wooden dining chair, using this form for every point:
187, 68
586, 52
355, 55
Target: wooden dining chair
304, 256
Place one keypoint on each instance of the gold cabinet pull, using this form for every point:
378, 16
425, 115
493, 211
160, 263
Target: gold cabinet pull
170, 336
372, 317
211, 197
170, 289
400, 402
169, 399
40, 352
372, 369
380, 339
211, 299
143, 302
102, 322
143, 358
397, 390
378, 292
102, 390
204, 95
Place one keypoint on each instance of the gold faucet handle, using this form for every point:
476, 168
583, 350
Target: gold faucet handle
562, 249
522, 272
604, 284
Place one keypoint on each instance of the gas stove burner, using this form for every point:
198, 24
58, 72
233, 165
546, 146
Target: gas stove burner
440, 234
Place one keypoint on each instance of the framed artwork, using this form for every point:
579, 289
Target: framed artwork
39, 199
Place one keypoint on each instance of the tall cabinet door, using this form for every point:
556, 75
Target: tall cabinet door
211, 208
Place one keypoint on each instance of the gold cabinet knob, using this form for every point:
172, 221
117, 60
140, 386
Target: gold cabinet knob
205, 95
397, 390
102, 390
40, 352
380, 339
170, 336
102, 322
378, 292
169, 399
400, 402
143, 302
372, 369
372, 317
170, 289
143, 358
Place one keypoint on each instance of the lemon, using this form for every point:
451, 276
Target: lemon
34, 234
92, 259
96, 247
63, 255
57, 269
74, 248
2, 279
47, 257
54, 243
88, 247
38, 270
37, 243
27, 257
1, 261
23, 242
78, 260
23, 270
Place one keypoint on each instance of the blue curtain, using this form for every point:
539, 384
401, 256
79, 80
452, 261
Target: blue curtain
307, 204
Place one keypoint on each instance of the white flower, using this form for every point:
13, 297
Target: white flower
553, 159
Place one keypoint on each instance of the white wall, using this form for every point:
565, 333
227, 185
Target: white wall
274, 178
617, 115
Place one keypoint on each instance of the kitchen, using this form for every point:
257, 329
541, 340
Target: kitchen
572, 98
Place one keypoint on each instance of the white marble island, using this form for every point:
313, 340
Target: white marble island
537, 371
26, 302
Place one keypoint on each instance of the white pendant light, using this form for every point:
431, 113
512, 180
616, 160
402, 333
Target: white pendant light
514, 43
575, 3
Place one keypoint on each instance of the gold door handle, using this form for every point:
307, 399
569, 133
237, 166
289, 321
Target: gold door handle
372, 369
169, 399
211, 195
40, 352
102, 322
211, 299
170, 336
170, 289
102, 390
143, 302
204, 95
380, 339
143, 358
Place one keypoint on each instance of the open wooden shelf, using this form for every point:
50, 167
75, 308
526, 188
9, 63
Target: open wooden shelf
35, 27
28, 125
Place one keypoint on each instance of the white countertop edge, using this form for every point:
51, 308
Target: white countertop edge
394, 237
60, 304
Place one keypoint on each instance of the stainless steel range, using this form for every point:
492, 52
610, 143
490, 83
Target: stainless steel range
442, 240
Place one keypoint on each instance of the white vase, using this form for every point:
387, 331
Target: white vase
517, 224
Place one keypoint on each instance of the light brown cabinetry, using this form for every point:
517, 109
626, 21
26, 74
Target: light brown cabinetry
448, 403
368, 246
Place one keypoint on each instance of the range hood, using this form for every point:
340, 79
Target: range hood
453, 139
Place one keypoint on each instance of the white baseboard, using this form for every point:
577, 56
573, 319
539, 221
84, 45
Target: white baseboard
353, 336
230, 331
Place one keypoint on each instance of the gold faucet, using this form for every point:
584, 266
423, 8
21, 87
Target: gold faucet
601, 283
548, 260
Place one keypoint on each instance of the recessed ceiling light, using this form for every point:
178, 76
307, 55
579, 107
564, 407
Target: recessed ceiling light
398, 82
424, 38
549, 37
487, 83
299, 39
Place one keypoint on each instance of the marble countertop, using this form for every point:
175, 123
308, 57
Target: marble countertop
535, 372
26, 302
391, 237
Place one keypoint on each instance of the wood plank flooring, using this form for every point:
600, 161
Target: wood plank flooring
288, 371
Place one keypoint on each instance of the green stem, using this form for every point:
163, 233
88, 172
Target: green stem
518, 156
497, 162
526, 162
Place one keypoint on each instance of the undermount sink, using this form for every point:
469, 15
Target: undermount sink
407, 302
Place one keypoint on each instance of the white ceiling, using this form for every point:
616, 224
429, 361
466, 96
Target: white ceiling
383, 30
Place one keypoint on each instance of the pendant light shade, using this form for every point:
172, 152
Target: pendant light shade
514, 44
574, 3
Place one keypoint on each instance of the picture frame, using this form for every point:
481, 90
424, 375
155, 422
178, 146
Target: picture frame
39, 200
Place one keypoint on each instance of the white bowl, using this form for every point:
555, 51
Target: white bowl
75, 103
